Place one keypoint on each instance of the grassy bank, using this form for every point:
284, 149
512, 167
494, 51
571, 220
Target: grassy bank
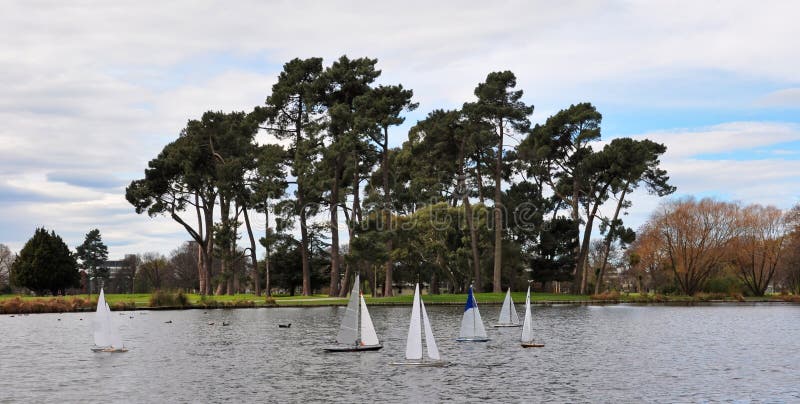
14, 304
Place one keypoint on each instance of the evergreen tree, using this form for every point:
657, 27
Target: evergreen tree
339, 86
500, 106
93, 255
293, 112
45, 264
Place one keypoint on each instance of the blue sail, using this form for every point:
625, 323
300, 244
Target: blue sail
471, 323
470, 301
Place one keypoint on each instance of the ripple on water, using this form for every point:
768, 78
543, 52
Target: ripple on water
592, 354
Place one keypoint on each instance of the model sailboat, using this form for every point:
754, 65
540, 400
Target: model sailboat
356, 332
420, 322
508, 313
472, 329
106, 337
526, 339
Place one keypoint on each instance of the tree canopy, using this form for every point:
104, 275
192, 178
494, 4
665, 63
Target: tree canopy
45, 264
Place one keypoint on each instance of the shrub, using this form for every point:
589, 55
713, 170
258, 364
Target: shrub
11, 306
207, 302
270, 301
168, 299
612, 295
790, 298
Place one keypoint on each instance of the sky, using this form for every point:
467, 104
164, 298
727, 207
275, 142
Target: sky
93, 90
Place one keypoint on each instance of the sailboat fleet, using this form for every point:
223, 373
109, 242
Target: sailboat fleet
357, 332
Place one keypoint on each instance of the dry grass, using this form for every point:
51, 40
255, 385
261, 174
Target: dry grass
17, 305
612, 296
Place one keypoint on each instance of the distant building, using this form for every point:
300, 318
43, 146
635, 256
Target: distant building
114, 266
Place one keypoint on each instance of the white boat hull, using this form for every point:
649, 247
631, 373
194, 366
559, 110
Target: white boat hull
473, 339
422, 364
109, 349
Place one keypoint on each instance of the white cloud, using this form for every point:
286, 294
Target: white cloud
724, 138
97, 87
788, 97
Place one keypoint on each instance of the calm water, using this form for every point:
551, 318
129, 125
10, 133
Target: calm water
616, 353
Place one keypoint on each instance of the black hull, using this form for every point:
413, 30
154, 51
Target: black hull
354, 348
532, 345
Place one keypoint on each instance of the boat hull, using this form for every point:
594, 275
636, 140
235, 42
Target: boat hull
354, 348
421, 364
473, 339
109, 349
506, 325
531, 345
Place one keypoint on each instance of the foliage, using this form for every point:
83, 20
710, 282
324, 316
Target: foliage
332, 123
92, 255
45, 264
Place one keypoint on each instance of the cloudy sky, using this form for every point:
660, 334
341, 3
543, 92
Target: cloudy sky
91, 90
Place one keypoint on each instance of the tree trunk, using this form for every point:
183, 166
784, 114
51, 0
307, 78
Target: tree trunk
267, 286
479, 179
253, 256
387, 212
301, 201
373, 283
352, 222
609, 240
498, 220
344, 289
334, 211
304, 252
201, 271
473, 233
584, 253
577, 274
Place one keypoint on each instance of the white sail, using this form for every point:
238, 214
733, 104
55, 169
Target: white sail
430, 342
414, 339
508, 313
527, 332
348, 331
105, 334
471, 322
368, 335
102, 329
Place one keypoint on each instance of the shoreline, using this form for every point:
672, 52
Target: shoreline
77, 304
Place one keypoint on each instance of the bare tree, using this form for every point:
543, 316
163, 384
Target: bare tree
757, 249
183, 261
7, 258
154, 272
695, 235
789, 265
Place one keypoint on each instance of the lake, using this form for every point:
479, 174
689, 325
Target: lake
615, 353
